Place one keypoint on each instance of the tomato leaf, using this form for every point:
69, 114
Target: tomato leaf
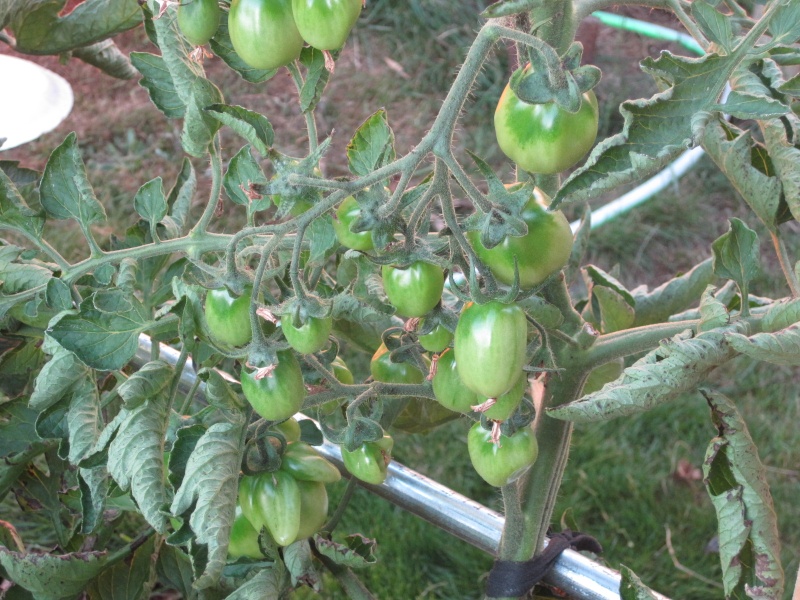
714, 25
15, 214
129, 580
84, 420
65, 191
175, 568
136, 457
145, 383
93, 484
150, 202
222, 46
39, 29
243, 172
372, 145
357, 552
779, 348
17, 430
317, 76
749, 543
103, 340
156, 79
52, 576
267, 583
209, 490
676, 366
322, 236
198, 126
785, 157
56, 378
186, 439
300, 564
781, 314
673, 296
736, 257
632, 588
181, 194
713, 313
252, 126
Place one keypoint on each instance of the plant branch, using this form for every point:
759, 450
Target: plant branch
311, 124
786, 264
216, 188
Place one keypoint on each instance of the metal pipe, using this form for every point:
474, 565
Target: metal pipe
470, 521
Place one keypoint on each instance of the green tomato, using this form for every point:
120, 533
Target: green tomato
274, 503
304, 463
290, 429
490, 344
263, 32
198, 20
507, 403
437, 340
500, 464
313, 508
414, 291
545, 138
244, 538
605, 373
342, 372
544, 250
279, 395
369, 462
383, 369
228, 317
346, 215
448, 388
310, 337
325, 24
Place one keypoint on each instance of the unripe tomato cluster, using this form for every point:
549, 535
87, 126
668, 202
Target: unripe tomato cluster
268, 34
291, 503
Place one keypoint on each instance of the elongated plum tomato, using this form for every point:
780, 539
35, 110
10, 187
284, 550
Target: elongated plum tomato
198, 20
370, 461
304, 463
507, 403
490, 343
437, 340
228, 317
414, 291
325, 24
310, 336
448, 388
272, 500
263, 32
244, 538
346, 215
500, 464
544, 250
544, 138
279, 395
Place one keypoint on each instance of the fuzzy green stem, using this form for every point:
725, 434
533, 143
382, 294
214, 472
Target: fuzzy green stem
311, 124
786, 264
216, 189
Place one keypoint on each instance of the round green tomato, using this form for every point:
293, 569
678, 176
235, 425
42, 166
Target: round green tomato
313, 508
198, 20
490, 344
507, 403
605, 373
346, 215
325, 24
500, 464
545, 138
414, 291
304, 463
448, 388
228, 317
263, 32
244, 538
290, 429
437, 340
310, 337
383, 369
369, 462
544, 250
279, 395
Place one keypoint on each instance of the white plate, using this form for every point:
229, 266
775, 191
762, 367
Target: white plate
33, 101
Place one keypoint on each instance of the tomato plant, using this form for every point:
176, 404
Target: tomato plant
499, 463
263, 32
369, 462
346, 215
415, 290
490, 343
544, 250
198, 20
278, 395
228, 317
310, 336
544, 138
325, 24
